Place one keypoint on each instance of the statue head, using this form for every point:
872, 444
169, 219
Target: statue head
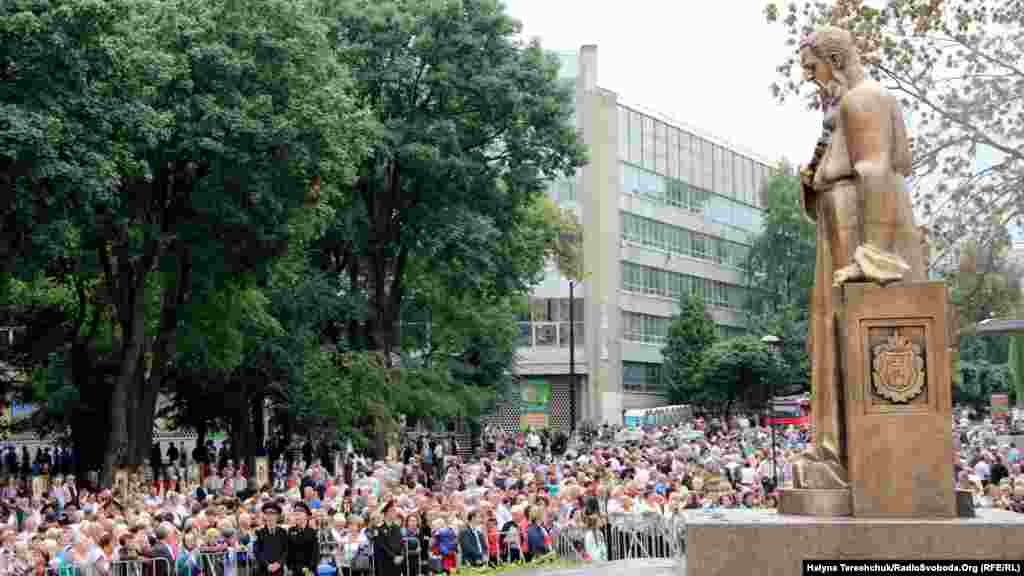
829, 58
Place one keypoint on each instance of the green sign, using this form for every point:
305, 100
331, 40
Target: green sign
535, 401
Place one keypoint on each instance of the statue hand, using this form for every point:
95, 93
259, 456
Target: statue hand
806, 176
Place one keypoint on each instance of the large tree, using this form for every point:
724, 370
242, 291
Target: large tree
976, 376
469, 124
153, 152
1015, 363
780, 276
736, 372
984, 284
780, 268
691, 332
955, 64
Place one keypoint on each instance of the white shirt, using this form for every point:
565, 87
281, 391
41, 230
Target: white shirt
503, 516
983, 470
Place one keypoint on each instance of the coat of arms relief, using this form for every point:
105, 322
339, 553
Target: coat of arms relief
898, 371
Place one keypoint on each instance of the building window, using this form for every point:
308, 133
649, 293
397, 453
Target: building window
741, 189
639, 279
644, 328
546, 324
686, 156
707, 160
682, 241
635, 138
660, 143
623, 133
674, 192
674, 153
648, 151
642, 377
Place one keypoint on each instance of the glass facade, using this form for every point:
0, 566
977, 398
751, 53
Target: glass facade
746, 220
644, 328
649, 329
658, 282
668, 151
682, 241
642, 377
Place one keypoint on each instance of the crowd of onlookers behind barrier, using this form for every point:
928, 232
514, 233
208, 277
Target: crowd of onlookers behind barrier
617, 494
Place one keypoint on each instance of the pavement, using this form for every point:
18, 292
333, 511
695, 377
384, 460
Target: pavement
647, 567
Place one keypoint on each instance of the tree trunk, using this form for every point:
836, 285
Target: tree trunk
241, 425
259, 432
132, 321
201, 432
145, 417
164, 349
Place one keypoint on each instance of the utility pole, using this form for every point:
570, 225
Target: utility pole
572, 357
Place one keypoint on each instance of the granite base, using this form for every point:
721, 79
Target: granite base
734, 542
815, 502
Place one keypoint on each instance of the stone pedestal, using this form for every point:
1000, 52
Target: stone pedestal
769, 544
827, 503
894, 361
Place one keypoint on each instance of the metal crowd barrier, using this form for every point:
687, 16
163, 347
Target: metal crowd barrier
413, 565
570, 543
645, 536
143, 567
359, 563
227, 563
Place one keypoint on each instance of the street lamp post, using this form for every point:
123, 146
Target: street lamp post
572, 358
775, 344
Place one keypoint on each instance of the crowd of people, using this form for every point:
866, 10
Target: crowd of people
429, 510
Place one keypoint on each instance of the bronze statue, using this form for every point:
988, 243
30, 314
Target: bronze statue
854, 190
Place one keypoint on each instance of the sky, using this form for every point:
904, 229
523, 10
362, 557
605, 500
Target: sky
708, 63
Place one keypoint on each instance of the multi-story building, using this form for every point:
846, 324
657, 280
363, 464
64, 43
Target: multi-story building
665, 210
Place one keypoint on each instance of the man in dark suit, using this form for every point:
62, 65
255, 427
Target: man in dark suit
388, 546
303, 544
271, 543
473, 541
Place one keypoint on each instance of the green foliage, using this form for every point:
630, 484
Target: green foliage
178, 212
567, 247
782, 259
549, 563
468, 125
691, 332
218, 324
737, 371
152, 153
985, 284
1016, 365
781, 277
790, 325
977, 376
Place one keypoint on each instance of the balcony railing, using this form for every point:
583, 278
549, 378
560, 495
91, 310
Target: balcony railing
549, 334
